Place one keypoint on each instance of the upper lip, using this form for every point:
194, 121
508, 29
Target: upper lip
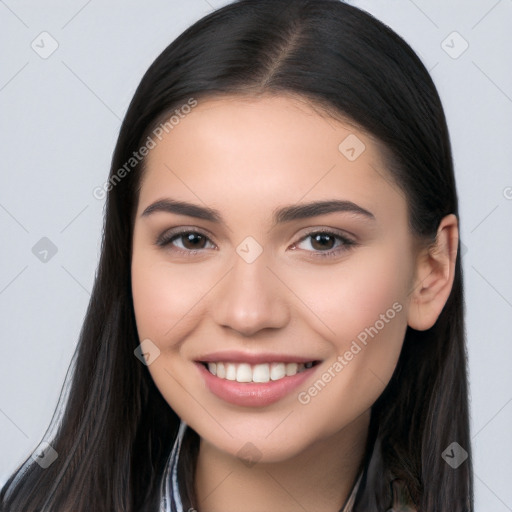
234, 356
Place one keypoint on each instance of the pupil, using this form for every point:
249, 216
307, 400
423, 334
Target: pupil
193, 240
324, 240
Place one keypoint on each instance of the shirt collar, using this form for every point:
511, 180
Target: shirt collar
170, 495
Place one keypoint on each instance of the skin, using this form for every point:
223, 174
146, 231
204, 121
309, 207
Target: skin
247, 157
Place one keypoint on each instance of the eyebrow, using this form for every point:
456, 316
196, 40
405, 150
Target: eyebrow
280, 216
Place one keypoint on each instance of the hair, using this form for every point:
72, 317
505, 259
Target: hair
112, 428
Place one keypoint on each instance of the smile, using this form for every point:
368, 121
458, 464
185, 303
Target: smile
255, 384
261, 373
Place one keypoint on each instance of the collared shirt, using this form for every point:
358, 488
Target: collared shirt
170, 494
171, 499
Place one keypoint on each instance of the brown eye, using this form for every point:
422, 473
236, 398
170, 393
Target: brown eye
322, 241
193, 241
325, 243
185, 241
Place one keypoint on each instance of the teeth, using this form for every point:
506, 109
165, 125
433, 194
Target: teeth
221, 370
244, 372
230, 371
278, 371
260, 373
291, 368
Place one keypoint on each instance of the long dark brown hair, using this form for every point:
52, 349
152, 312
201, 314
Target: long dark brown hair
113, 430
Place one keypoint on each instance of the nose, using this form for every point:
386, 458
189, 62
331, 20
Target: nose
250, 298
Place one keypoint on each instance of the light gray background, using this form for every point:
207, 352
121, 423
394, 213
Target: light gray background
60, 117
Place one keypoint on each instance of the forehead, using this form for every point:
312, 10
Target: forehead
266, 151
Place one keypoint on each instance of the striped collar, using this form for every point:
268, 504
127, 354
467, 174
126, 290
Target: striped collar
170, 494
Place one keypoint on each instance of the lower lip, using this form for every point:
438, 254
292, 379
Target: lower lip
250, 394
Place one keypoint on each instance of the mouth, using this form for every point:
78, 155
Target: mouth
256, 373
255, 380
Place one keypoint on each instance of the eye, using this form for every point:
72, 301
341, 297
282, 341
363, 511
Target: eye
324, 243
319, 243
185, 241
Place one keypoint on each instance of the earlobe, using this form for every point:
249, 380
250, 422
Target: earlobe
435, 272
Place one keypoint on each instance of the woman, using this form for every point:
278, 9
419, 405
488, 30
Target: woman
277, 318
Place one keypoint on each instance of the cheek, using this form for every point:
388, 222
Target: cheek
167, 305
165, 299
362, 308
346, 298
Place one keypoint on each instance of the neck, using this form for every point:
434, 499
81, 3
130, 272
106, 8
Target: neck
320, 478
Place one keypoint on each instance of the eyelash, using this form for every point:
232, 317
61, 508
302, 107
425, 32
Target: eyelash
347, 243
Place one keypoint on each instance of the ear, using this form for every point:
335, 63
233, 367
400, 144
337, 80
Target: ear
435, 271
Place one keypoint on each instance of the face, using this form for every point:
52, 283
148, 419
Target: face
270, 242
